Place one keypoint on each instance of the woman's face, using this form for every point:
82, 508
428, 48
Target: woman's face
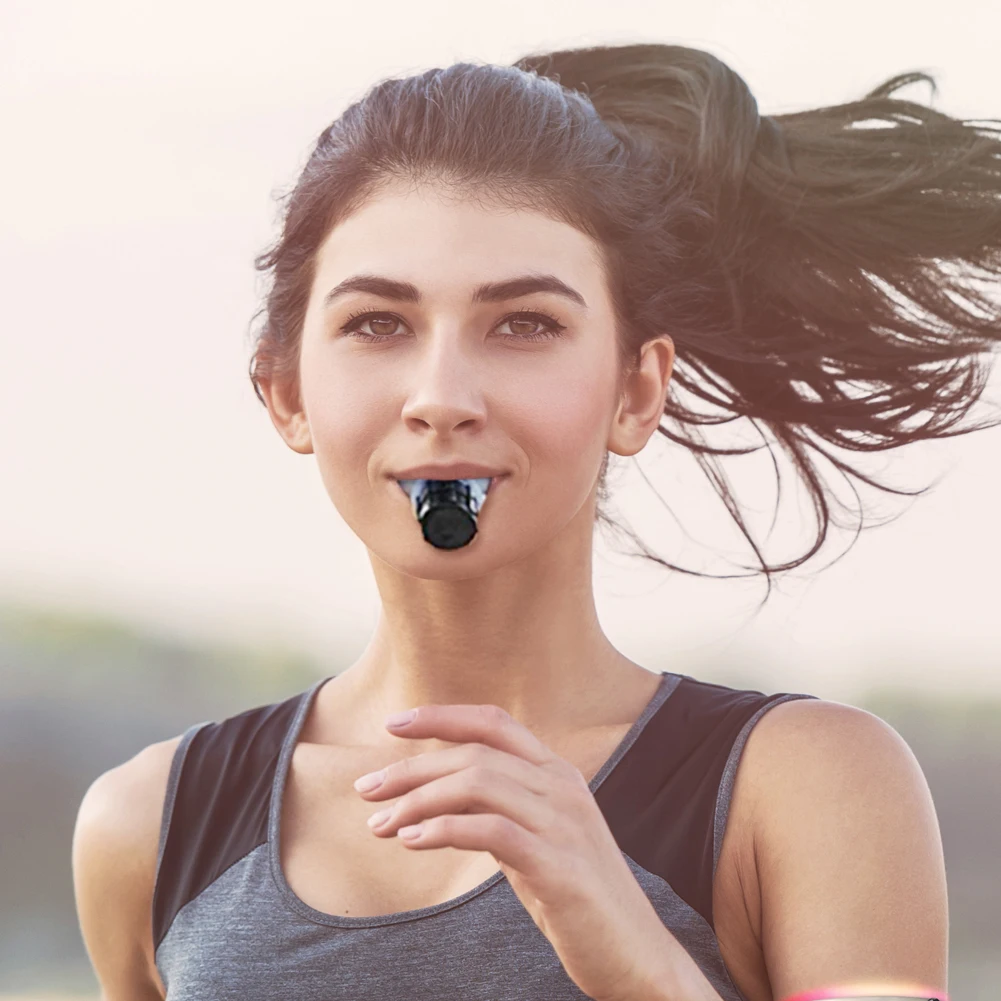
452, 379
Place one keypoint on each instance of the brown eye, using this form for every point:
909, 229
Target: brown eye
551, 327
357, 320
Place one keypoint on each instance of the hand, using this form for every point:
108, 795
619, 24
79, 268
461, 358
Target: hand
501, 790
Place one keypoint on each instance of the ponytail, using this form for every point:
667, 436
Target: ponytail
837, 258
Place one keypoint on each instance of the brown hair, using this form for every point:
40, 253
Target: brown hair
800, 263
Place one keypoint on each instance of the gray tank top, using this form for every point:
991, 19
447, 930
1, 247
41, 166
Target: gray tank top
227, 925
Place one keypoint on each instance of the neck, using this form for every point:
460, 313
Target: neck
523, 635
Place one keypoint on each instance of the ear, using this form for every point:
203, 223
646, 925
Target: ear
644, 394
282, 398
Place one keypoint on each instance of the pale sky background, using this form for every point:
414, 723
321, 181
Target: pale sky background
141, 476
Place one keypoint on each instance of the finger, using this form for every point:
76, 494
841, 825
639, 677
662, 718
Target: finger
409, 773
469, 791
486, 724
509, 843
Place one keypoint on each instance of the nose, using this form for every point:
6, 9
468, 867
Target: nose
445, 390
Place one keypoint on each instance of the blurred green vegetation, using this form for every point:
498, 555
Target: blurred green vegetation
72, 652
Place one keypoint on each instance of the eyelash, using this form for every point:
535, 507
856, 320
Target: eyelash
553, 326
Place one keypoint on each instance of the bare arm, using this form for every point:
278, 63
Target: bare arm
849, 856
114, 860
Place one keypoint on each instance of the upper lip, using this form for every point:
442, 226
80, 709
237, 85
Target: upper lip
450, 471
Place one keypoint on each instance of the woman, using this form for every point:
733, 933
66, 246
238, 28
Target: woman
505, 274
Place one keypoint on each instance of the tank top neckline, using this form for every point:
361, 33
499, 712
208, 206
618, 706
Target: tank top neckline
668, 683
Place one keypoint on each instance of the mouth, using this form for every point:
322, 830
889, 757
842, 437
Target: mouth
478, 485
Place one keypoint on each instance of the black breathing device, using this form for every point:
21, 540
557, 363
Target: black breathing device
447, 510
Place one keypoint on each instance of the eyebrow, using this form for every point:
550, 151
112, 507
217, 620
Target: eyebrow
512, 288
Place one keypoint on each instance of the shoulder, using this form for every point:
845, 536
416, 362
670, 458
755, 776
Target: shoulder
813, 720
132, 793
795, 739
127, 800
823, 756
847, 851
118, 828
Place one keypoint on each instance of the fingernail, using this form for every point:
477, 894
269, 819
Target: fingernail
377, 818
371, 781
399, 719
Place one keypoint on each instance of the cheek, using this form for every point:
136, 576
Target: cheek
567, 415
564, 438
347, 422
340, 405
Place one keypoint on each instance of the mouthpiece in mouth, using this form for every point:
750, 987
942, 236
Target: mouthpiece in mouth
447, 510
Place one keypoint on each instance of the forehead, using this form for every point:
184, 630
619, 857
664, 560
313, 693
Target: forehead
447, 241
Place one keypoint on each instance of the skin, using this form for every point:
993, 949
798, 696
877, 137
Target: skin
510, 619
